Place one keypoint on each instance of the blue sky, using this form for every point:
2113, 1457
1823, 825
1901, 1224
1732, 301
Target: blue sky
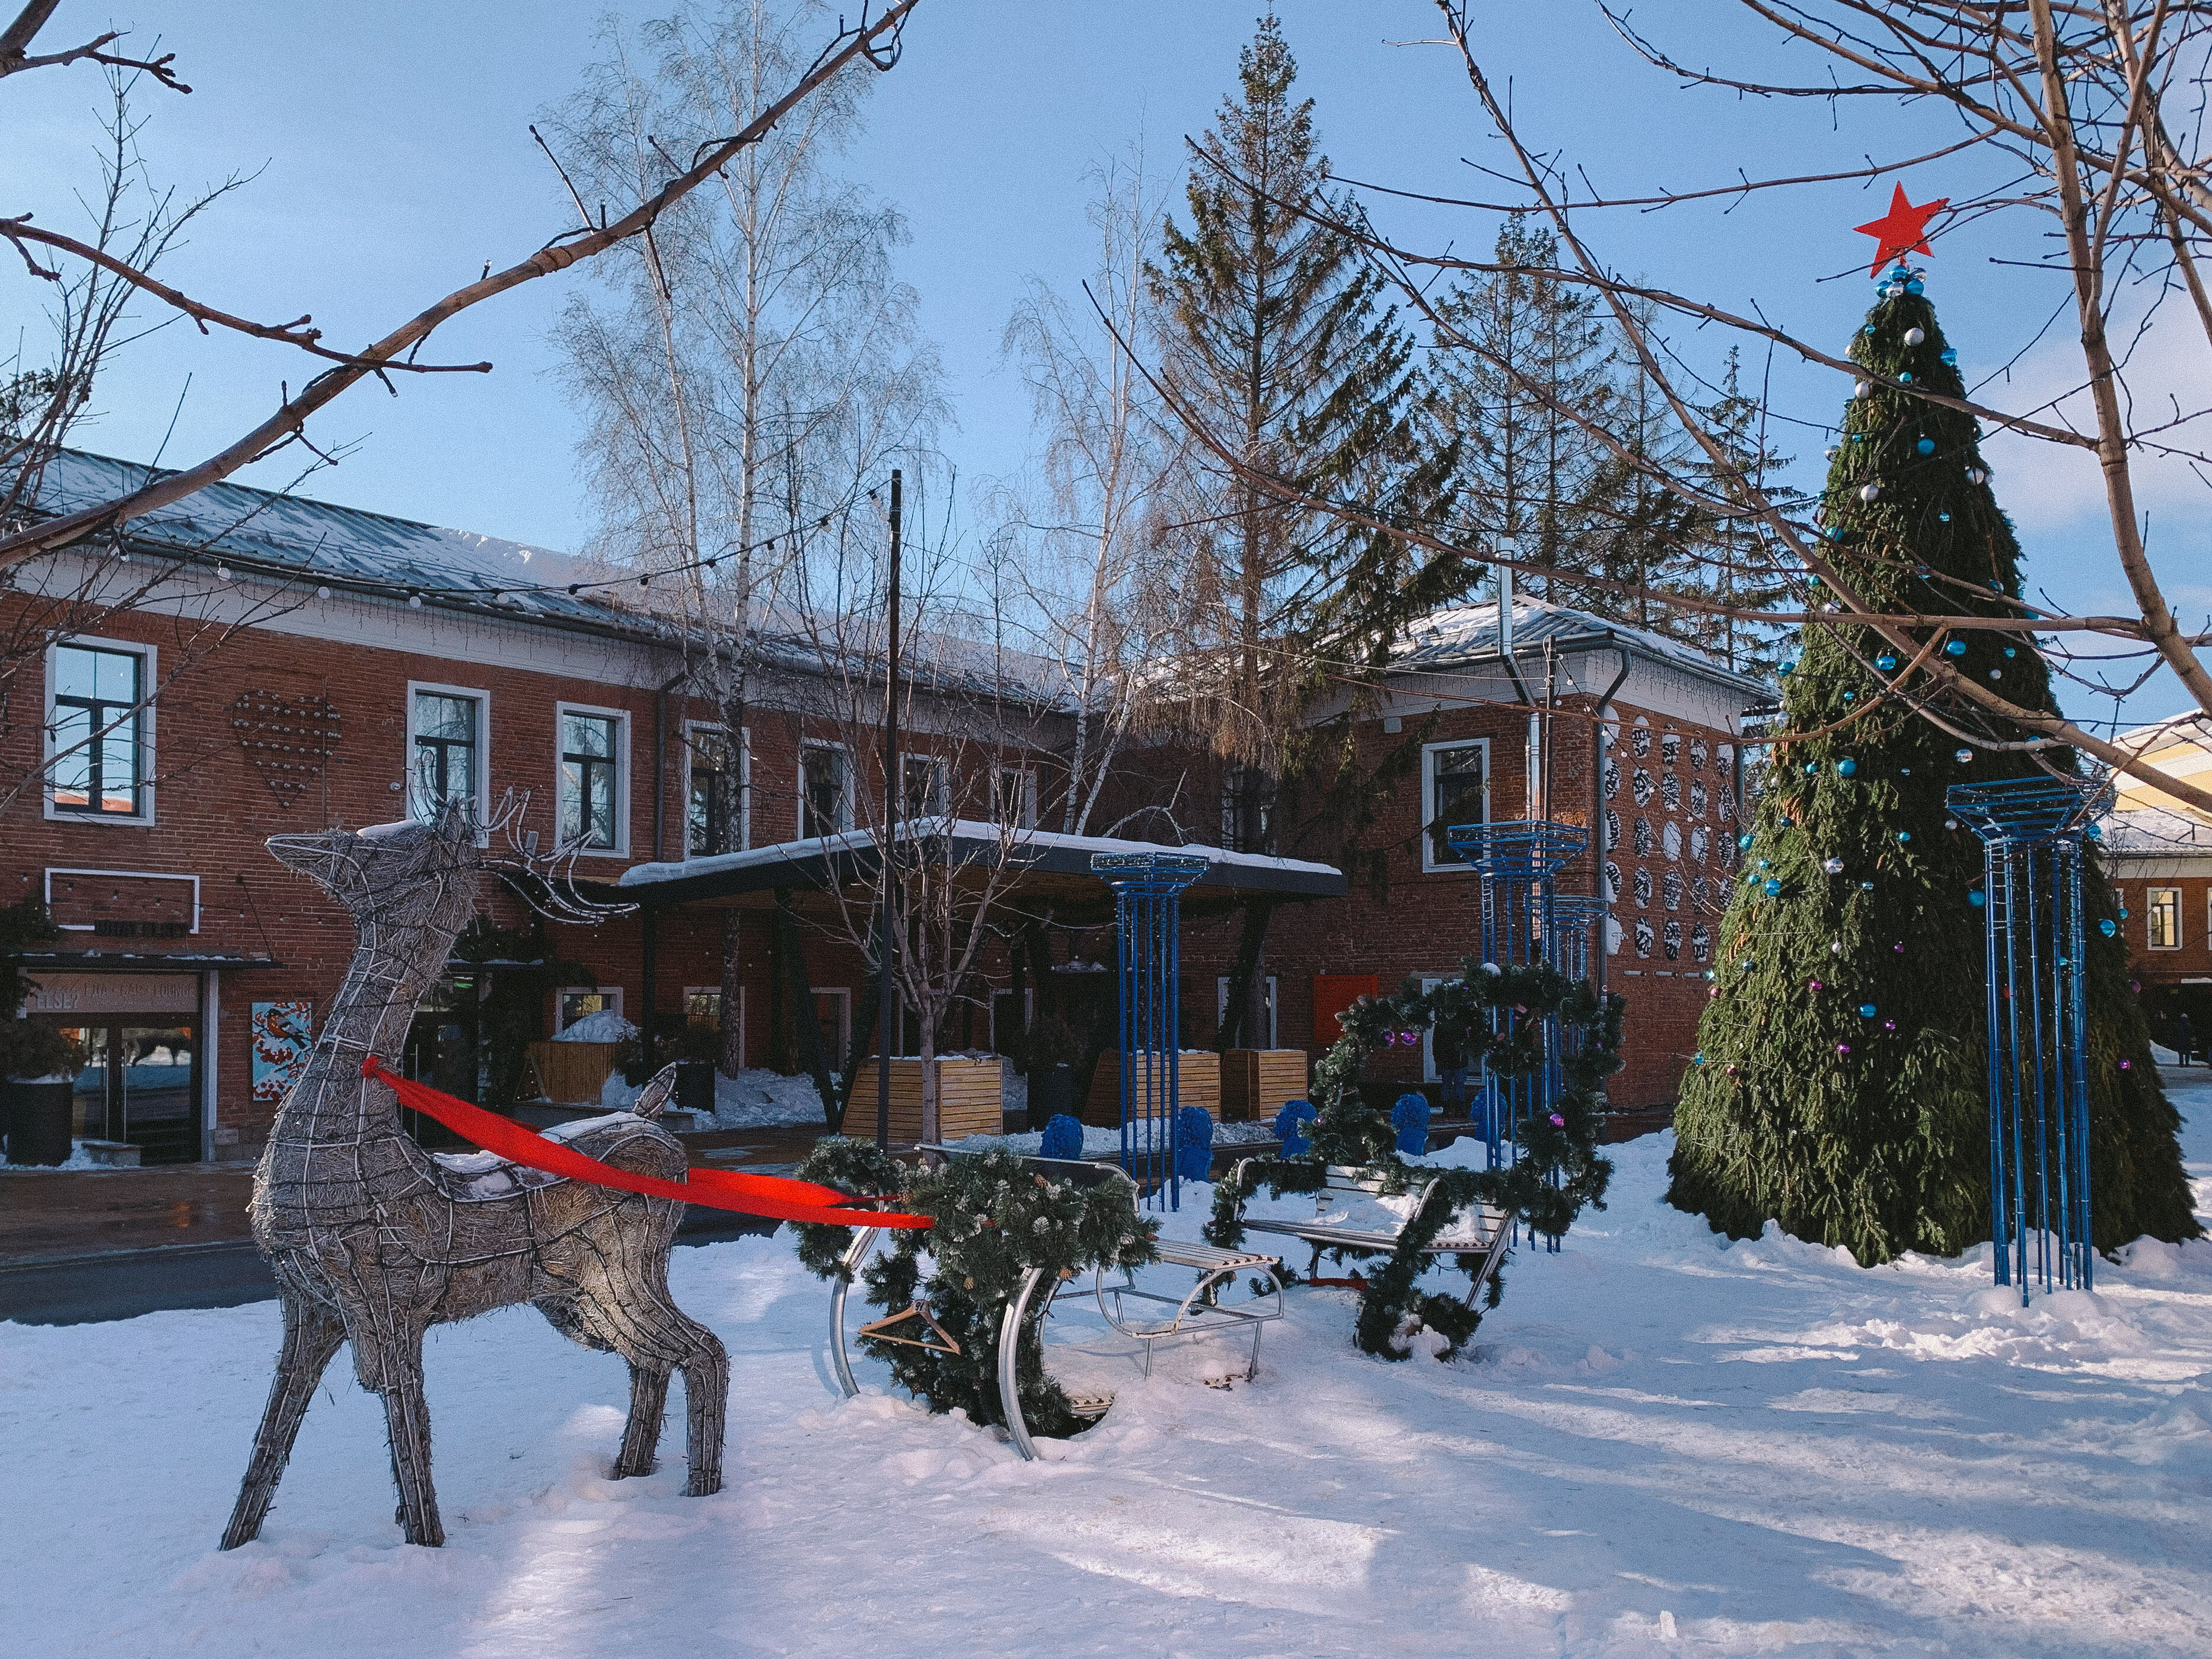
395, 160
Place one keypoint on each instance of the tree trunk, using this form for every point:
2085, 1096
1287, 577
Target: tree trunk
1245, 1012
864, 1031
806, 1026
734, 1002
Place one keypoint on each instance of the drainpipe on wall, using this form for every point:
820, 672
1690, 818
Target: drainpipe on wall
1597, 813
1534, 761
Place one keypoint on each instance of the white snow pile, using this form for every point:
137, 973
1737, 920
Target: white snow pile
1660, 1443
751, 1100
604, 1026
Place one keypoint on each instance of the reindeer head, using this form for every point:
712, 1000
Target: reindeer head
398, 874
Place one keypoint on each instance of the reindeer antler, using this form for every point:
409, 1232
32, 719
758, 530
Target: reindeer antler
551, 890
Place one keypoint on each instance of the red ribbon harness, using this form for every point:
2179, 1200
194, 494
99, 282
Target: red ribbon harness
773, 1196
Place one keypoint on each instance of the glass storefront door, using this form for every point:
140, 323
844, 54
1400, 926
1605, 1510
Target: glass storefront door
139, 1083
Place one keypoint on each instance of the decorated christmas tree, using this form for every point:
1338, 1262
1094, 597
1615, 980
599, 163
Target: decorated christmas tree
1840, 1087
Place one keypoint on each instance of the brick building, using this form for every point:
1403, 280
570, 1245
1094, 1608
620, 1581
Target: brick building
1636, 738
2159, 855
295, 665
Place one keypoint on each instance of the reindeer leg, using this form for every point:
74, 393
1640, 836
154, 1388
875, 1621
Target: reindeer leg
390, 1363
648, 1398
311, 1335
706, 1400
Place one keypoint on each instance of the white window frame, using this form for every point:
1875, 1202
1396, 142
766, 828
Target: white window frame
621, 718
2151, 896
613, 993
1274, 1007
484, 750
940, 773
1025, 813
692, 729
149, 667
1429, 865
845, 814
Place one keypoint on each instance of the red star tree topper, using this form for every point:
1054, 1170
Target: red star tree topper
1902, 230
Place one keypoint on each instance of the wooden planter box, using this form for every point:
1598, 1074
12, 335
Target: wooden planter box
1256, 1082
968, 1100
573, 1073
1198, 1082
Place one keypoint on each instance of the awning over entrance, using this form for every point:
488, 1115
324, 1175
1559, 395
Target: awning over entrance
1048, 867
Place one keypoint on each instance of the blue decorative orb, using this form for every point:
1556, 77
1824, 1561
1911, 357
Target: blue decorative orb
1765, 863
1950, 357
1063, 1138
1194, 1151
1812, 581
1773, 887
1849, 768
1850, 697
2094, 832
1811, 767
1743, 843
1915, 288
1699, 1058
1885, 662
1789, 668
2108, 927
1977, 899
1904, 834
2010, 652
1942, 518
1410, 1118
1290, 1127
1955, 648
1903, 375
1926, 445
1963, 756
1866, 1011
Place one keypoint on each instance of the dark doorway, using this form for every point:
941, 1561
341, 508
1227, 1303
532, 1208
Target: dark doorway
139, 1082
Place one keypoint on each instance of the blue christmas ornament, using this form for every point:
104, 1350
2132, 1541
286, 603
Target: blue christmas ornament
1885, 662
2010, 652
1955, 648
1789, 668
1290, 1127
1193, 1152
1773, 887
1902, 375
1811, 767
2096, 832
1915, 288
1743, 843
1950, 357
2108, 927
1699, 1058
1904, 834
1850, 697
1410, 1118
1063, 1138
1926, 445
1812, 581
1866, 1011
1977, 899
1963, 756
1847, 767
1942, 518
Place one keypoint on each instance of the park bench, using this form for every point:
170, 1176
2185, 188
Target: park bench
1480, 1230
1195, 1312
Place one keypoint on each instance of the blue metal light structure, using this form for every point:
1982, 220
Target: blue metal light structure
1521, 928
1147, 915
2033, 943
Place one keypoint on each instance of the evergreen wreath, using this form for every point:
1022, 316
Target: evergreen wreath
996, 1218
1556, 1173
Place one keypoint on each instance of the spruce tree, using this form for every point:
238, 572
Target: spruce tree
1869, 1129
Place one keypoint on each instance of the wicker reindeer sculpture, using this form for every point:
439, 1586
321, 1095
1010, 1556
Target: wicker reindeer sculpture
374, 1239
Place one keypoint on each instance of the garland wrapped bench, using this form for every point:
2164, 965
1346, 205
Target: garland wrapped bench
1480, 1230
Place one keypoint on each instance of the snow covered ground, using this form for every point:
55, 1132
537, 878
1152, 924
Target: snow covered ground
1662, 1445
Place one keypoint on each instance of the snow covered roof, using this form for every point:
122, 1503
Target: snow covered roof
264, 531
810, 863
1457, 635
2156, 832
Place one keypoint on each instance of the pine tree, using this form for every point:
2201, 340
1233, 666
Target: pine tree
1275, 340
1870, 1130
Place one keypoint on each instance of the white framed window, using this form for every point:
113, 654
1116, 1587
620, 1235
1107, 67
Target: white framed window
1014, 796
1455, 790
2162, 915
927, 790
591, 765
825, 790
448, 740
717, 820
1221, 1009
581, 1001
99, 731
1247, 811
